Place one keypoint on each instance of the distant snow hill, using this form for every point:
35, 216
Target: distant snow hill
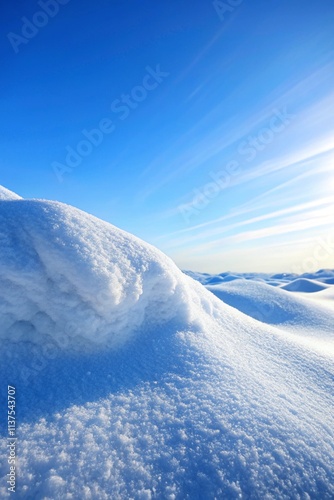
132, 380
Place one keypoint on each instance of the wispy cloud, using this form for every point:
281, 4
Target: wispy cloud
298, 168
228, 131
303, 209
316, 218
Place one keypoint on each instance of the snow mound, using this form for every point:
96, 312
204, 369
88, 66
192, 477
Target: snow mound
322, 273
68, 276
5, 194
304, 285
216, 279
273, 305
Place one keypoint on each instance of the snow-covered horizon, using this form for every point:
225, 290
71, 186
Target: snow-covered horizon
136, 380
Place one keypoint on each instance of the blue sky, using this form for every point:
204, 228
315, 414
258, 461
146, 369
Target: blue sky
206, 129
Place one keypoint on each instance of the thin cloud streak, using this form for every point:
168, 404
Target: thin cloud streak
315, 219
328, 201
318, 151
213, 144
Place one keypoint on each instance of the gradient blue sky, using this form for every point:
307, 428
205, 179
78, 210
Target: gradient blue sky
213, 118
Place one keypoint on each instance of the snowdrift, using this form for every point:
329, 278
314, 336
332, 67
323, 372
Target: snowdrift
5, 194
69, 277
134, 381
304, 285
274, 305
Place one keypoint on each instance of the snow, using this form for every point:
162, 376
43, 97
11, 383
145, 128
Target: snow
136, 381
6, 194
274, 305
304, 285
67, 275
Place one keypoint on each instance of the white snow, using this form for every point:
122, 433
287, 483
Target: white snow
274, 305
69, 276
304, 285
135, 381
6, 194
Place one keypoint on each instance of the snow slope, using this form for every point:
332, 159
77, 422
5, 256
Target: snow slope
134, 381
5, 194
304, 285
274, 305
68, 276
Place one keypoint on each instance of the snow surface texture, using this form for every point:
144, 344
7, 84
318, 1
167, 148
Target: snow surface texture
5, 194
74, 279
134, 381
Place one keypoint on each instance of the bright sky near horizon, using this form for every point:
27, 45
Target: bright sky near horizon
205, 128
